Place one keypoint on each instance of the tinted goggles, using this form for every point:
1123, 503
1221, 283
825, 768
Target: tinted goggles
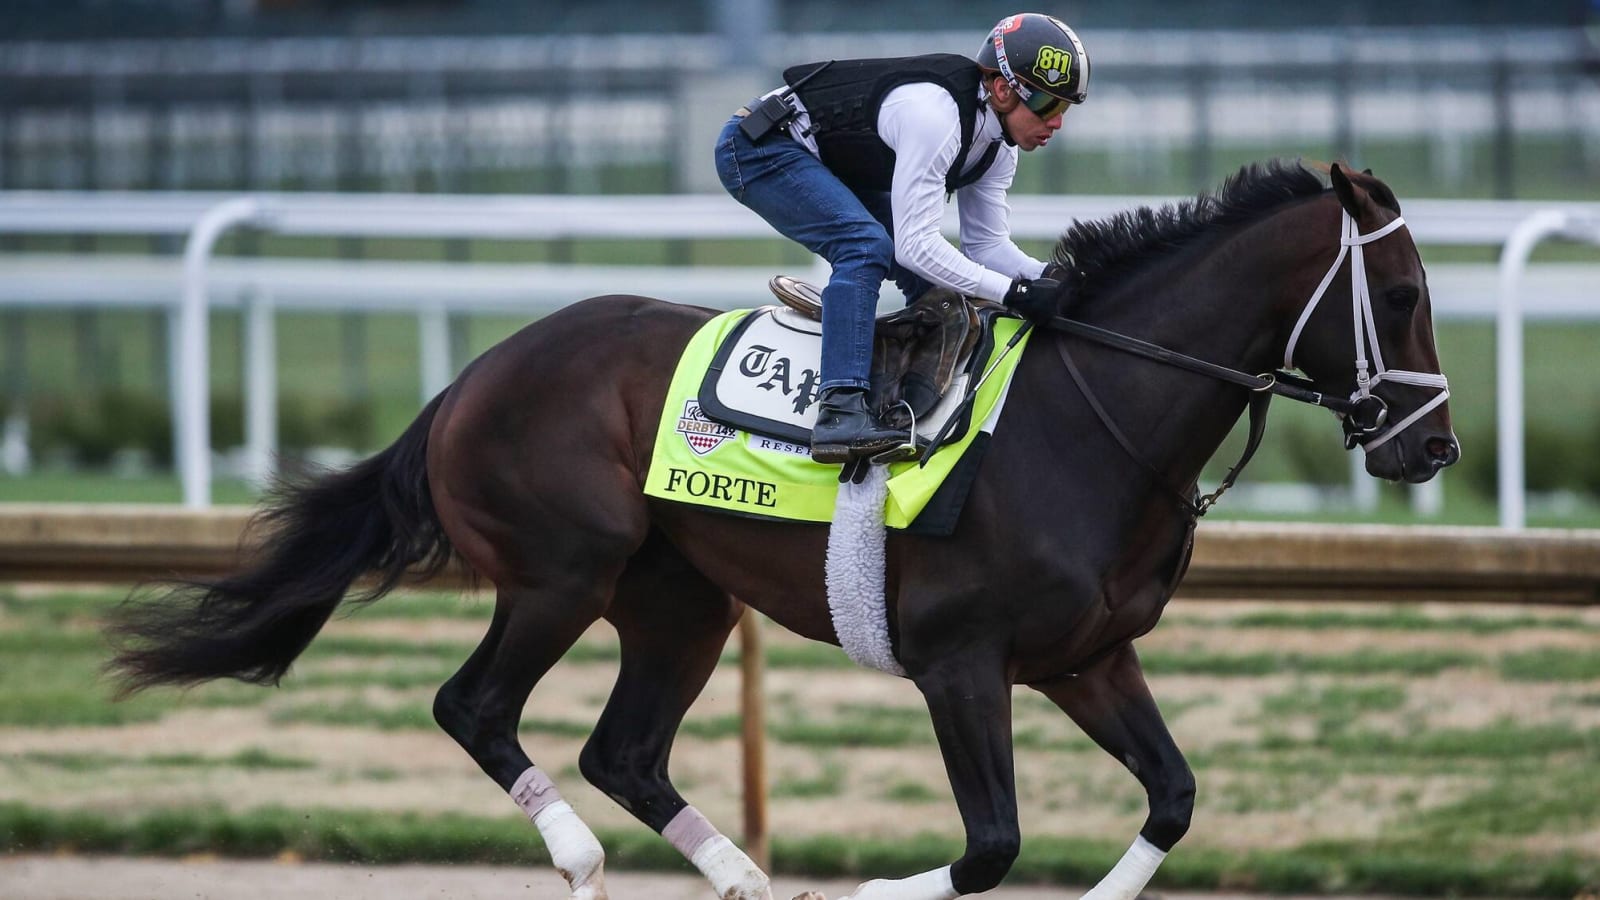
1044, 105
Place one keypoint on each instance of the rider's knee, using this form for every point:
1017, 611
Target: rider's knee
988, 859
870, 248
881, 246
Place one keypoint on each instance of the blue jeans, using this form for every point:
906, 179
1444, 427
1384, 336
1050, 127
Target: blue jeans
796, 194
910, 283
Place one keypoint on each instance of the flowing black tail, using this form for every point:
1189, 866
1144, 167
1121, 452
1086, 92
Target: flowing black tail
319, 534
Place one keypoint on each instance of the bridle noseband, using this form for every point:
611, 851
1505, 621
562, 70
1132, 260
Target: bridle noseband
1368, 412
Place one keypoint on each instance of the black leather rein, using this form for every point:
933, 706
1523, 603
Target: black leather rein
1280, 382
1262, 387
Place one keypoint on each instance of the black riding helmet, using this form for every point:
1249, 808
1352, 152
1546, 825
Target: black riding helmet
1041, 58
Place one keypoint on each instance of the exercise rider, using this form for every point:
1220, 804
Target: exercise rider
854, 159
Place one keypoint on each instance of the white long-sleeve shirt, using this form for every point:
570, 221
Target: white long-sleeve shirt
921, 123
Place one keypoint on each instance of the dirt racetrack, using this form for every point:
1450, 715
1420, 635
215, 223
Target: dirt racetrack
84, 878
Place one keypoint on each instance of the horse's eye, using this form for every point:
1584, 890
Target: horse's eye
1402, 298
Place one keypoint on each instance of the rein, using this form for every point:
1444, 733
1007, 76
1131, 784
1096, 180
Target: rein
1363, 413
1262, 388
1282, 382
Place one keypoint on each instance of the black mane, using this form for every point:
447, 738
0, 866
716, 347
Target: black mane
1098, 254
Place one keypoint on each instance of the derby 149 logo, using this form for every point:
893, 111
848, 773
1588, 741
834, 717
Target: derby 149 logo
702, 434
1054, 66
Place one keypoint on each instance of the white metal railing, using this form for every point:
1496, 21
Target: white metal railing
1574, 225
662, 216
58, 280
205, 217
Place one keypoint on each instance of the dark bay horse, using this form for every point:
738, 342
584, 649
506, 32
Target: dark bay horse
530, 468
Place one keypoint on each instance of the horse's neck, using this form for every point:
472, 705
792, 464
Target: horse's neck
1226, 307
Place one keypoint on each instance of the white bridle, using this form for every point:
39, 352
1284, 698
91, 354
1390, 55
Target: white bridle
1366, 334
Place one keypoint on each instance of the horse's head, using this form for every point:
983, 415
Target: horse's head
1367, 332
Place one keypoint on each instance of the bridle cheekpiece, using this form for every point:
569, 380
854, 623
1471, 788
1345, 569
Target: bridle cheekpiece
1364, 423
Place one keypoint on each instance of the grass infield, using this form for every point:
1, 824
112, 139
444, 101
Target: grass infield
1396, 750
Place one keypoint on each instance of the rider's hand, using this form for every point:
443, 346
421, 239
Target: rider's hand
1038, 299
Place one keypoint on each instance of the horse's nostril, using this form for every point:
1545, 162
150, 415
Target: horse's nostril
1443, 452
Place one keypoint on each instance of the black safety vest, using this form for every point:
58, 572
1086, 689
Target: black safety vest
843, 101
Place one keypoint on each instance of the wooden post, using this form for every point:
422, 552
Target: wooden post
752, 662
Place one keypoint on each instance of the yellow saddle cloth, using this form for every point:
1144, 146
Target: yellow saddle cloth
707, 463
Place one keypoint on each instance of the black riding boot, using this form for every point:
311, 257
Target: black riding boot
846, 430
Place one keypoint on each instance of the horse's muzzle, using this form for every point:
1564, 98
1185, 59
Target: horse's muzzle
1442, 452
1414, 459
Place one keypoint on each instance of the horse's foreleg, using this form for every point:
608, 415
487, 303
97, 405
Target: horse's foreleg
969, 699
672, 624
1112, 704
481, 705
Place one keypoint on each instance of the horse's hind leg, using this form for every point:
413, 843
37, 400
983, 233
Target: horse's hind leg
672, 624
481, 705
1112, 704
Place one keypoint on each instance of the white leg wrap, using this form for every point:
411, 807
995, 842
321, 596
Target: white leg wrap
534, 791
574, 850
688, 830
935, 885
1131, 874
733, 875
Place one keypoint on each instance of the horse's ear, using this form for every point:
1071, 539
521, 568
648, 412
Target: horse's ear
1366, 171
1349, 195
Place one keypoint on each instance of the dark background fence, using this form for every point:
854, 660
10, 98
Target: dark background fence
1479, 99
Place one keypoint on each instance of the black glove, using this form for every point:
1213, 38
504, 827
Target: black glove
1038, 300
